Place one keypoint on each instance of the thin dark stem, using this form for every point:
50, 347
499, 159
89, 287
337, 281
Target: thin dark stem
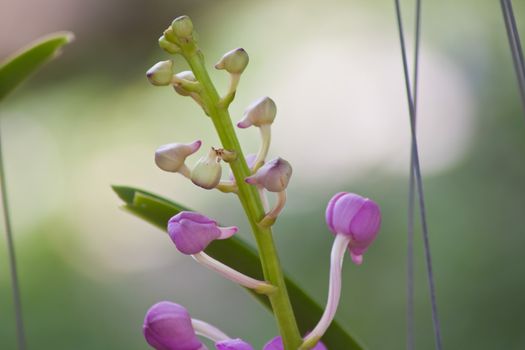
411, 194
12, 258
418, 180
515, 46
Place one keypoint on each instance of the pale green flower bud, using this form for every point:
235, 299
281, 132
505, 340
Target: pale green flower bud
182, 27
234, 61
168, 46
207, 172
186, 75
161, 73
259, 113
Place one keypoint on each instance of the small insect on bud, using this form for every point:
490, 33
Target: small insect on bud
185, 75
260, 112
234, 61
171, 157
207, 172
182, 27
168, 46
161, 73
274, 176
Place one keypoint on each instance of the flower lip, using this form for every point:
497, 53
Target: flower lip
167, 326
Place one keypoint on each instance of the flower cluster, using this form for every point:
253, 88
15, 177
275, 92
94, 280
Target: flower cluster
353, 219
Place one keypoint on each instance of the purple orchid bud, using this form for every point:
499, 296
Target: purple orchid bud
161, 73
260, 112
234, 61
171, 157
354, 216
273, 176
207, 172
193, 232
250, 160
233, 344
167, 326
277, 344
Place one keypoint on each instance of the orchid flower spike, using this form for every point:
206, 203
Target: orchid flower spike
273, 176
193, 232
172, 157
261, 114
207, 172
355, 221
277, 344
161, 73
168, 326
234, 62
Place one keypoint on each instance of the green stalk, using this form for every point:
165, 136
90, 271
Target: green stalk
249, 197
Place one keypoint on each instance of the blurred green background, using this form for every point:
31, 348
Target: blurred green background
89, 271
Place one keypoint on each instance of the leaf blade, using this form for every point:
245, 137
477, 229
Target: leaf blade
23, 63
241, 256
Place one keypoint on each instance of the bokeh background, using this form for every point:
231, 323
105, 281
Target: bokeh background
89, 271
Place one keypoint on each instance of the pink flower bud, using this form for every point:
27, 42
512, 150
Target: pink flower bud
171, 157
354, 216
260, 112
233, 344
274, 176
167, 326
234, 61
277, 344
160, 74
207, 172
193, 232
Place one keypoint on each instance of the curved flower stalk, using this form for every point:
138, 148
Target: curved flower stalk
193, 232
169, 326
234, 62
355, 222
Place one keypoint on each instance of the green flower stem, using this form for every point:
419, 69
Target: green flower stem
249, 198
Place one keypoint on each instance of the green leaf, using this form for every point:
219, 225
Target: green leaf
239, 255
19, 66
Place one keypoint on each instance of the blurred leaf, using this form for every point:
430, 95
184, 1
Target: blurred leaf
19, 66
240, 256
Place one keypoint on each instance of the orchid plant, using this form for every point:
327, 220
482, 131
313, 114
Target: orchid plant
353, 219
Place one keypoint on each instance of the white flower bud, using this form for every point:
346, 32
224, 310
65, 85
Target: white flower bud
260, 112
182, 27
234, 61
171, 157
161, 73
186, 75
207, 172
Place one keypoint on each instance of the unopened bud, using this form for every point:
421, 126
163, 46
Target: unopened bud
182, 27
260, 112
274, 176
161, 73
168, 46
207, 172
171, 157
234, 61
186, 75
